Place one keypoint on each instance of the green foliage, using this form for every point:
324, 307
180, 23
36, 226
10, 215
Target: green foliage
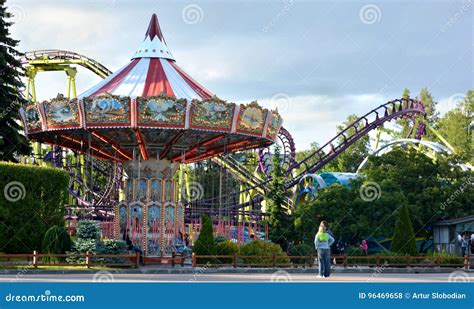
280, 222
12, 143
219, 238
404, 236
205, 244
457, 127
55, 241
88, 240
227, 247
349, 160
302, 250
88, 229
262, 248
445, 258
31, 202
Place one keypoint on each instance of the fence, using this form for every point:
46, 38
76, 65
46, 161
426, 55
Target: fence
343, 260
36, 259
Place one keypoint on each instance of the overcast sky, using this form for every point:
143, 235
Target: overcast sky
318, 61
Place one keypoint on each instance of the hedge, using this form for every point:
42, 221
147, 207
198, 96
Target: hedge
32, 200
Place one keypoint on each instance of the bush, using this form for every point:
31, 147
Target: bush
219, 238
404, 236
302, 250
444, 258
262, 248
87, 239
31, 201
205, 244
55, 241
226, 247
112, 246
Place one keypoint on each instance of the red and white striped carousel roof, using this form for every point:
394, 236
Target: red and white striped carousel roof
151, 71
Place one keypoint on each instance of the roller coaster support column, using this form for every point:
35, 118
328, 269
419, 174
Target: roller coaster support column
440, 137
30, 83
71, 82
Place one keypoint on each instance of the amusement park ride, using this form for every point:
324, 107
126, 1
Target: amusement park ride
126, 143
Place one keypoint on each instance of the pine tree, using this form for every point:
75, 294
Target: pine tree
405, 124
205, 244
280, 223
404, 241
12, 143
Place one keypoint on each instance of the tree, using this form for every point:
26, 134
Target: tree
432, 115
404, 123
12, 143
280, 222
349, 160
456, 126
404, 241
205, 244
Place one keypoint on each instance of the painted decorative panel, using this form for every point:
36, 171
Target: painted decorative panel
141, 188
251, 119
155, 190
212, 113
62, 112
136, 224
153, 229
161, 111
33, 119
274, 125
107, 110
129, 190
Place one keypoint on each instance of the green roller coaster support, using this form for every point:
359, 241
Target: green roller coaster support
440, 137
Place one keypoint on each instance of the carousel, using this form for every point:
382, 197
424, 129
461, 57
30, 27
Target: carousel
150, 118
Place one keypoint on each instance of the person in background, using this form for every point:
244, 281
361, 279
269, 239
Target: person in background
365, 247
464, 245
322, 243
472, 243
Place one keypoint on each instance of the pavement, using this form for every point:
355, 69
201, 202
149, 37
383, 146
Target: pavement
203, 274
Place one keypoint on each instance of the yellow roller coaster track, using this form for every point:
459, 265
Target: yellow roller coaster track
58, 60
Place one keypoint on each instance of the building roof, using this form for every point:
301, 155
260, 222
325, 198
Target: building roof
455, 221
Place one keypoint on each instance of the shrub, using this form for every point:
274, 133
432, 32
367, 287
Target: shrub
302, 250
32, 200
205, 244
262, 248
226, 247
444, 258
87, 239
219, 238
404, 236
55, 241
111, 246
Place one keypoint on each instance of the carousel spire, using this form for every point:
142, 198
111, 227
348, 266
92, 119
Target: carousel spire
154, 45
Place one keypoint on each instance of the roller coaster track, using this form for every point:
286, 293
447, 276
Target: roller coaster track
396, 109
54, 57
